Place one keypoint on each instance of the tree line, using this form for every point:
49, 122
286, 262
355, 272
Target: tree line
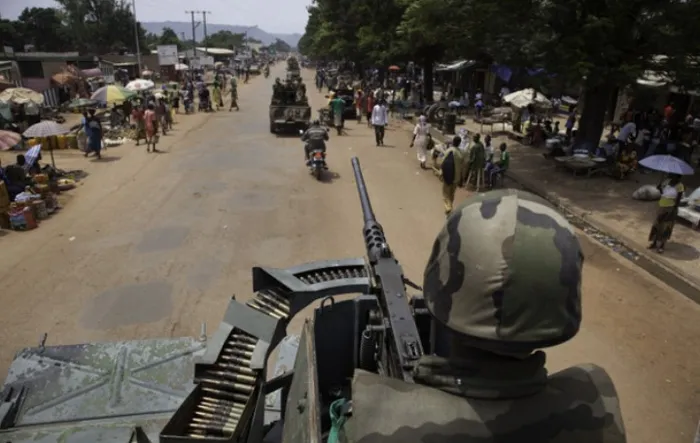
88, 26
601, 45
100, 27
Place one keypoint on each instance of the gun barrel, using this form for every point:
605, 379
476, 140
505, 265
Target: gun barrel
367, 211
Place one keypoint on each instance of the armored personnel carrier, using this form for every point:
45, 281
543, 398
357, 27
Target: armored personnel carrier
218, 389
293, 70
289, 108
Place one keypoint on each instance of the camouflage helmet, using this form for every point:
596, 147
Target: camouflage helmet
505, 273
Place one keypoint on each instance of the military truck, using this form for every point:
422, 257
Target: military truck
293, 71
289, 108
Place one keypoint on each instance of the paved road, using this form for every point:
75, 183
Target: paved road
154, 244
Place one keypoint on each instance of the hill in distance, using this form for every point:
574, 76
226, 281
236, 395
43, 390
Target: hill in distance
186, 28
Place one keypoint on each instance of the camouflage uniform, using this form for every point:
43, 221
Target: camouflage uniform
504, 278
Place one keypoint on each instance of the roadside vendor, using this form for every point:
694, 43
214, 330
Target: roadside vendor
15, 177
337, 105
627, 162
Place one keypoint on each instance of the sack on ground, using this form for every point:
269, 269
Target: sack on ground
647, 193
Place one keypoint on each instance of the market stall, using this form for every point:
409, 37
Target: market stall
527, 104
28, 191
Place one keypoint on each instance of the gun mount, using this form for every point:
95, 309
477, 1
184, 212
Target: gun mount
188, 390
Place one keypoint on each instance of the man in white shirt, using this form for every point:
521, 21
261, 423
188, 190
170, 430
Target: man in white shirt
379, 121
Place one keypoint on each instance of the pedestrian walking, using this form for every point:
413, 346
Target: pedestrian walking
477, 163
369, 106
94, 141
151, 123
671, 194
450, 171
379, 121
137, 118
421, 140
234, 94
359, 99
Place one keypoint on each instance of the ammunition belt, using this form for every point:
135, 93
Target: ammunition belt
228, 387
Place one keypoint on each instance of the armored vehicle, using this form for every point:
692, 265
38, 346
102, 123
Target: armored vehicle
289, 108
219, 389
293, 70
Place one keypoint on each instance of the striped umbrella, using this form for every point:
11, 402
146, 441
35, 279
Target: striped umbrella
46, 128
112, 94
8, 140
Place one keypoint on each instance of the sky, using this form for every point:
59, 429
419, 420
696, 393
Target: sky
278, 16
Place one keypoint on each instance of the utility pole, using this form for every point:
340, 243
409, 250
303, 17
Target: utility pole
204, 22
136, 35
194, 37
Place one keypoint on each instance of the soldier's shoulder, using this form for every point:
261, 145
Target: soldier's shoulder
585, 377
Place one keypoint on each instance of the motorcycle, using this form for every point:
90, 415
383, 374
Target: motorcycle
317, 163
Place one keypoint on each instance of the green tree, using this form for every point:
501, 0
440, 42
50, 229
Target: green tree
611, 44
377, 38
332, 30
602, 45
280, 46
11, 34
426, 28
224, 39
44, 28
169, 37
307, 42
103, 26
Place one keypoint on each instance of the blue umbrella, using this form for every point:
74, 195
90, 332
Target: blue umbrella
668, 164
31, 156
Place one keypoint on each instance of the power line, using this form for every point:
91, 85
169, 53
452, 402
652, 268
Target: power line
136, 35
194, 36
204, 21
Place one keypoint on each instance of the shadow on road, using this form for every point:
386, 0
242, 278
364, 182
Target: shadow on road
105, 159
680, 251
329, 177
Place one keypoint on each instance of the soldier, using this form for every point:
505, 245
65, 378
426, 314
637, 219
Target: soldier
503, 281
277, 90
450, 172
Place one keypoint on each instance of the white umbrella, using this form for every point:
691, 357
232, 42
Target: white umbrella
140, 85
181, 67
21, 96
526, 97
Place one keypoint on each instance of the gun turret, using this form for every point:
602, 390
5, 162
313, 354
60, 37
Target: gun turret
400, 346
375, 242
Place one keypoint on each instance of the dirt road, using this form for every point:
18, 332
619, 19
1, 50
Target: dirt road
154, 244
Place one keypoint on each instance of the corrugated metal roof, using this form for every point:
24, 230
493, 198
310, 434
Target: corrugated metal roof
216, 51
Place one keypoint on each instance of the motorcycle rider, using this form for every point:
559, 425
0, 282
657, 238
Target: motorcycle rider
494, 309
314, 139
